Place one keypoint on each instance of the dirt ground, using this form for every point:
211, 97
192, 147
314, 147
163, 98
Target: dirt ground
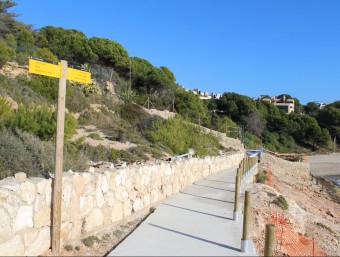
103, 242
311, 213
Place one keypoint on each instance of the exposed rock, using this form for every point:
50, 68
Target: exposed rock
99, 198
117, 212
40, 201
5, 223
27, 192
79, 184
86, 205
40, 244
20, 176
109, 198
127, 208
42, 217
12, 247
137, 205
105, 184
94, 220
23, 219
30, 236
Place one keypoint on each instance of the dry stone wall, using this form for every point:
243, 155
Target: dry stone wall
92, 201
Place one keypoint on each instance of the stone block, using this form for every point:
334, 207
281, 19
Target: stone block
20, 176
13, 247
27, 192
30, 235
127, 208
117, 212
109, 198
79, 184
12, 204
105, 184
74, 213
40, 244
99, 197
40, 201
94, 220
132, 195
137, 205
86, 205
10, 184
23, 219
146, 200
43, 217
5, 223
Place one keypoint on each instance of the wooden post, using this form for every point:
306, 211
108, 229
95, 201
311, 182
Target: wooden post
237, 194
148, 102
270, 240
246, 223
57, 181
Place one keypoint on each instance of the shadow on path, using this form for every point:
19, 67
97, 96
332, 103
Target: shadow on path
206, 197
182, 208
195, 237
227, 182
214, 187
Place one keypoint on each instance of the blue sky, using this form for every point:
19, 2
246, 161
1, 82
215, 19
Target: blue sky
250, 47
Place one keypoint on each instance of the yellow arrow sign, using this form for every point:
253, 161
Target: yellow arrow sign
44, 67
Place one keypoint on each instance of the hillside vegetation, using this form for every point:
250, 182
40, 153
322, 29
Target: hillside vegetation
122, 84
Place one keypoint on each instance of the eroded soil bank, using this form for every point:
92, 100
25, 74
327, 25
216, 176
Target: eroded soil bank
312, 211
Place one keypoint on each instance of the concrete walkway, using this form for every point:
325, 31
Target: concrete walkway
197, 221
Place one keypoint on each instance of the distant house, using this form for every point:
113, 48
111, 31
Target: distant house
286, 105
205, 95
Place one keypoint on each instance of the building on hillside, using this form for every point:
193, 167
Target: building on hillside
206, 95
322, 105
284, 104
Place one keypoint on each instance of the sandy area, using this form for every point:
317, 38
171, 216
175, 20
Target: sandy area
85, 131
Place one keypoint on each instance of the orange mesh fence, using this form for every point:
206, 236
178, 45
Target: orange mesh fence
270, 178
290, 241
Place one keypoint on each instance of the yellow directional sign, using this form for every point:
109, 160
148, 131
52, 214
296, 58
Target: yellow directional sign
79, 75
44, 67
53, 69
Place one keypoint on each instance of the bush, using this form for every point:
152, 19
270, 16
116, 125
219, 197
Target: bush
89, 241
68, 248
261, 177
16, 157
95, 136
41, 121
180, 136
5, 54
281, 202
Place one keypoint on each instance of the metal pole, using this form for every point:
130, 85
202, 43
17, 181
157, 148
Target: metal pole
270, 240
246, 223
57, 181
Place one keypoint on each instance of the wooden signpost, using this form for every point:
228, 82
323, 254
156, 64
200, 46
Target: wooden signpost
58, 70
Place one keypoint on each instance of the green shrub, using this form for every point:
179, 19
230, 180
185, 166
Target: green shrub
89, 241
95, 136
16, 157
261, 177
41, 121
281, 202
5, 54
180, 136
68, 248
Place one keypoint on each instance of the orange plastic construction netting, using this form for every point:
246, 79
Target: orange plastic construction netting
293, 243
